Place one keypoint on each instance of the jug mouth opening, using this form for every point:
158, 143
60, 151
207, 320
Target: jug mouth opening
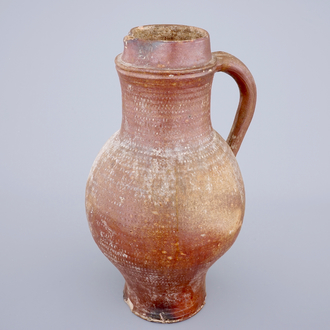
167, 32
167, 47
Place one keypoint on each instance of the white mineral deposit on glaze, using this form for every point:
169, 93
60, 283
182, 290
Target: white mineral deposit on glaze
180, 154
130, 304
238, 178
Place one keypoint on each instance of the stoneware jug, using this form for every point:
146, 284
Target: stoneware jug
165, 197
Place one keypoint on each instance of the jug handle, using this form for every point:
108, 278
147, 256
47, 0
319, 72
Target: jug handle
248, 96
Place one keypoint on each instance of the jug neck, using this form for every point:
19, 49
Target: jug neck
165, 112
166, 74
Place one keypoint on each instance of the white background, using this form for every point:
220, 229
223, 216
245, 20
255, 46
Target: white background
60, 100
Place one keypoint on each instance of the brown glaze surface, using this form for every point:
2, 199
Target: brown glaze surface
165, 197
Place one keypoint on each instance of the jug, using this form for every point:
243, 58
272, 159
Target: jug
165, 197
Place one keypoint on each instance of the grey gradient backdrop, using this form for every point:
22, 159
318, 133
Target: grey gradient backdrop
60, 100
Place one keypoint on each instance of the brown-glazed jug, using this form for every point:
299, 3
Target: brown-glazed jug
165, 197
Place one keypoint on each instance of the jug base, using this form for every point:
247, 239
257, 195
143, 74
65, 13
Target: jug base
162, 315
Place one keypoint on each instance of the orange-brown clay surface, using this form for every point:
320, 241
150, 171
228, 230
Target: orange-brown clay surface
165, 197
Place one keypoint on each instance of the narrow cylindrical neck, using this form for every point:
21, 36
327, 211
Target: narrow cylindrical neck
161, 113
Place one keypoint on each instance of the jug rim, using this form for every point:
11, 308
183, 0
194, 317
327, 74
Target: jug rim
167, 46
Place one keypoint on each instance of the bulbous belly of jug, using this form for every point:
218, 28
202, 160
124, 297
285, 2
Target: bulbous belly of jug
163, 216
